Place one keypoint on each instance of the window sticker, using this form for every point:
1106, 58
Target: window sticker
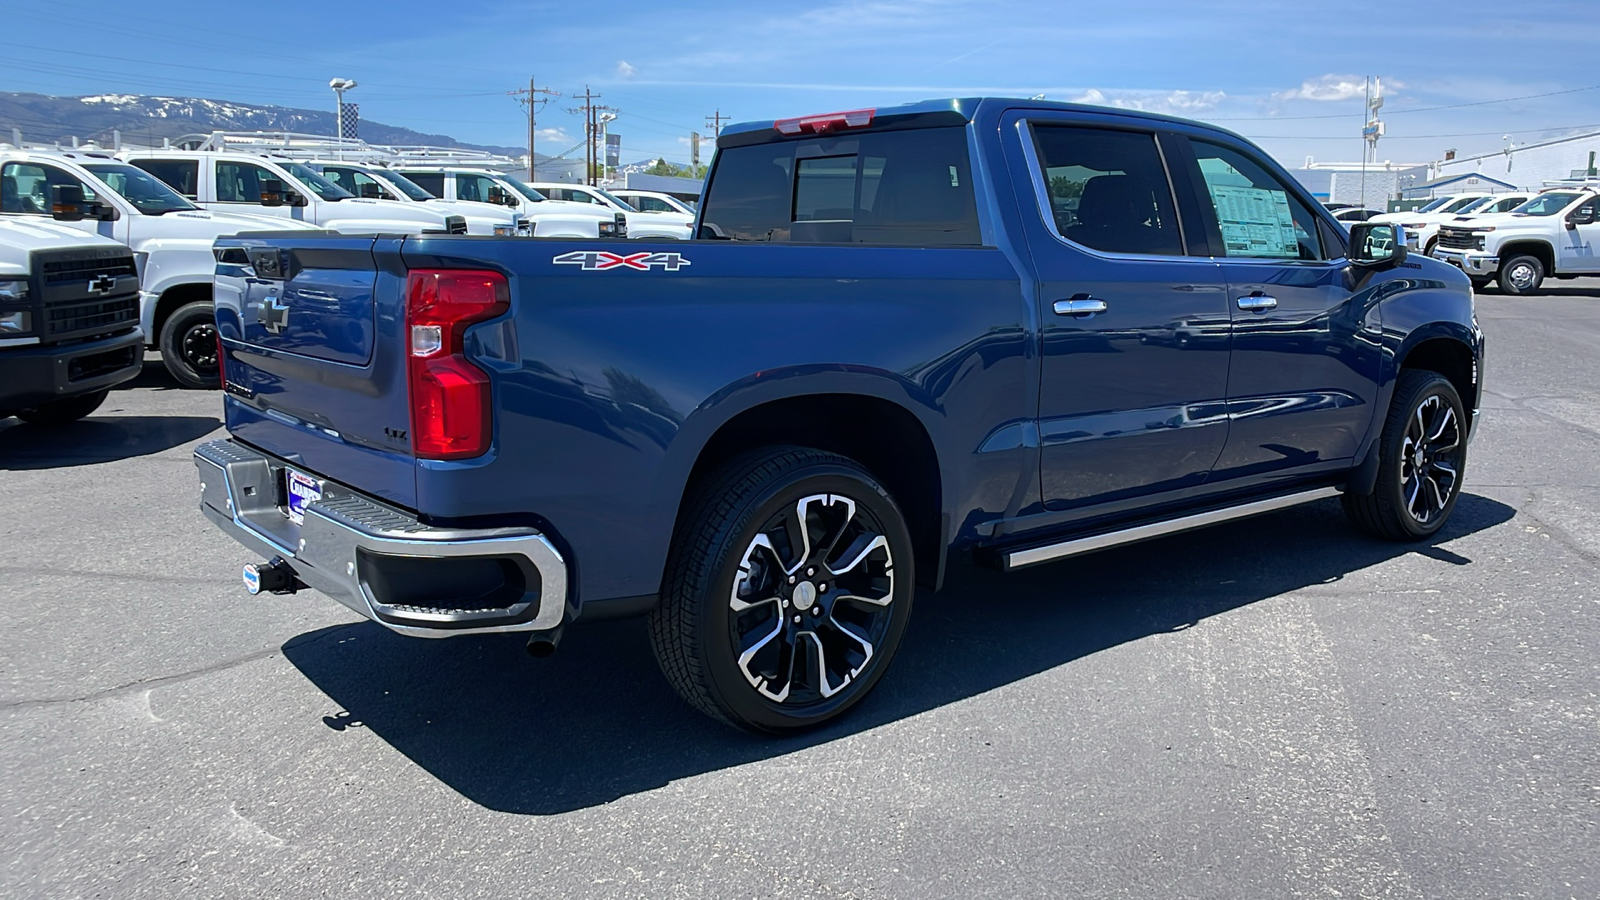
1255, 221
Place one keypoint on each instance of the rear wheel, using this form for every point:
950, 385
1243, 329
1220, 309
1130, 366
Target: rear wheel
189, 345
1421, 457
1521, 275
786, 592
61, 412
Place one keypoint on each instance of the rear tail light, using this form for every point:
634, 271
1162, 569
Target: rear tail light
855, 118
450, 397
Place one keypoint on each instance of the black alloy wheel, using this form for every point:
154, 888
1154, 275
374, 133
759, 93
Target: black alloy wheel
787, 592
1422, 455
189, 346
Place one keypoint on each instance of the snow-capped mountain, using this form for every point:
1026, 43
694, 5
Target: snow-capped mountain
149, 119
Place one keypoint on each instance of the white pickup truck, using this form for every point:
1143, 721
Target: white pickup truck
169, 236
550, 218
69, 320
652, 201
672, 226
378, 183
1555, 234
241, 182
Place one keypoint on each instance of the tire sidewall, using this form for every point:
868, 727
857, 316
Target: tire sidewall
1506, 284
172, 334
1390, 479
734, 691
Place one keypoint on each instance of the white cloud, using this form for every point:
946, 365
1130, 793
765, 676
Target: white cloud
553, 134
1330, 88
1172, 102
624, 70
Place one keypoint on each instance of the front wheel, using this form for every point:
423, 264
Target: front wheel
1422, 454
189, 345
1521, 275
65, 411
787, 590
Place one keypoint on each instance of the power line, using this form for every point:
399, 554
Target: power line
531, 99
1395, 112
714, 122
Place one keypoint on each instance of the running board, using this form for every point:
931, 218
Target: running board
1028, 556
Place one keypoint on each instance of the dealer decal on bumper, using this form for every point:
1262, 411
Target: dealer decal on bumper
601, 260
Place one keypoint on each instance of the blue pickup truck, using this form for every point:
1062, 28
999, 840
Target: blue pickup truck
1015, 329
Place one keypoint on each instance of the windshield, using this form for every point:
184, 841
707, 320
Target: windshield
618, 201
523, 189
1546, 204
1476, 205
147, 193
320, 186
1459, 205
1433, 205
403, 184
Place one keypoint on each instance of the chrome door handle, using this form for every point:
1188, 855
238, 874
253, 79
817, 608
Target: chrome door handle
1079, 306
1258, 302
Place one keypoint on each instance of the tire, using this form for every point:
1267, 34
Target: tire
1521, 275
189, 346
65, 411
739, 575
1406, 506
1433, 243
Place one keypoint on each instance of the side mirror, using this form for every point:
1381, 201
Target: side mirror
371, 191
499, 196
1583, 215
66, 202
1377, 245
272, 192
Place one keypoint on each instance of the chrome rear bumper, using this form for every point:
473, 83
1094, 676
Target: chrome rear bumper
380, 561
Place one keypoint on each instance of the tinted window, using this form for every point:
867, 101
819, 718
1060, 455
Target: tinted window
182, 175
650, 204
474, 187
240, 182
1108, 190
25, 188
903, 188
432, 182
147, 193
1257, 215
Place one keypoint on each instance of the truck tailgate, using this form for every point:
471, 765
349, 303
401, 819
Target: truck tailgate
314, 372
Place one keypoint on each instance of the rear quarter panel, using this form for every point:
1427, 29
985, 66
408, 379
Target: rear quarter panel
609, 382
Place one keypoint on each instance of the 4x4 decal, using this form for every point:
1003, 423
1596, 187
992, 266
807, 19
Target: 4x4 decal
600, 260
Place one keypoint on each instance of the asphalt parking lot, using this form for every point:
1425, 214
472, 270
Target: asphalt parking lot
1278, 707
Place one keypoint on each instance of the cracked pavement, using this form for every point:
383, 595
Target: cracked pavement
1278, 707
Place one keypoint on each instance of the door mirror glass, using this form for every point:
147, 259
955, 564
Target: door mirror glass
499, 196
371, 191
271, 192
1377, 245
1583, 215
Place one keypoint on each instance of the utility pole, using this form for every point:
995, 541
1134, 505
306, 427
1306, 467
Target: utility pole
531, 99
714, 123
591, 127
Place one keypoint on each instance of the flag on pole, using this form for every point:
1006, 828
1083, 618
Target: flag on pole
349, 121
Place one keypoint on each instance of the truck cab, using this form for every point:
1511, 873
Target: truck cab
170, 238
379, 183
1553, 234
69, 320
285, 189
549, 218
672, 226
652, 201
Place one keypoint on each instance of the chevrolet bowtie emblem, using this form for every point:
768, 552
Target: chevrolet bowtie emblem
272, 315
102, 284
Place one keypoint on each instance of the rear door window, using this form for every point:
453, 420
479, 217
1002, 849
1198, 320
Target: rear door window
432, 182
899, 188
182, 175
1108, 189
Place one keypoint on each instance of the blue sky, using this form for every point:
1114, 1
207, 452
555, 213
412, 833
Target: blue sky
1288, 74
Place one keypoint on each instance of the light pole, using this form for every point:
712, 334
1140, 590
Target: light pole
340, 85
605, 173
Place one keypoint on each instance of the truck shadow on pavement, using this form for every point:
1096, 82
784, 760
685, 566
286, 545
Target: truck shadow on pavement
97, 439
597, 721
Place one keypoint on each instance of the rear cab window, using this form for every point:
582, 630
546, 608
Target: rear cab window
432, 182
909, 188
